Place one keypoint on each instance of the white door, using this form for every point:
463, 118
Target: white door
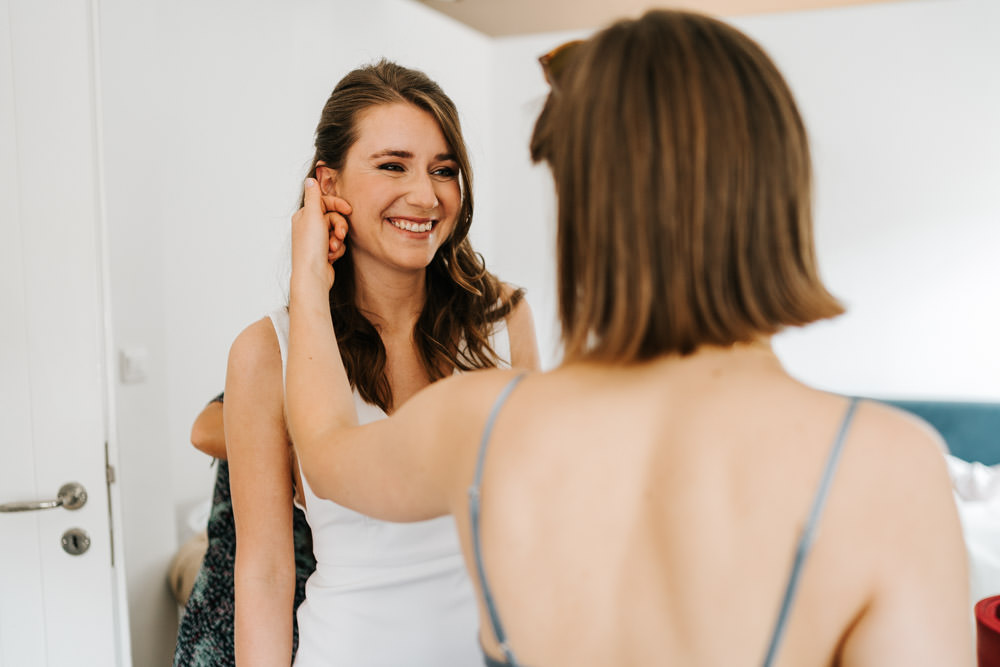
55, 608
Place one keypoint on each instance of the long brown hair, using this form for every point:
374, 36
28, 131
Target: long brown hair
683, 175
464, 300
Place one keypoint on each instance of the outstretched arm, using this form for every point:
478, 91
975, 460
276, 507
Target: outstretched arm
397, 468
319, 401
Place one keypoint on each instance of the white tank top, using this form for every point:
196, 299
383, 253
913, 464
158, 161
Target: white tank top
384, 594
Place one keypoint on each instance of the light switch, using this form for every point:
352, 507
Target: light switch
133, 363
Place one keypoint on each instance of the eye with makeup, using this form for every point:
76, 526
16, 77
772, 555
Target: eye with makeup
445, 173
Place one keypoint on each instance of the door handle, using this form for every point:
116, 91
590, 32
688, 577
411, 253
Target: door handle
72, 496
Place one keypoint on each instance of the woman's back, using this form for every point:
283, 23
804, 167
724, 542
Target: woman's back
651, 515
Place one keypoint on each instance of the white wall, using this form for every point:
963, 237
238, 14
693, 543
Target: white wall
209, 109
903, 105
523, 242
902, 102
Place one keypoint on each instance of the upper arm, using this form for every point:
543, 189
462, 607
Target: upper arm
258, 450
409, 466
523, 341
919, 612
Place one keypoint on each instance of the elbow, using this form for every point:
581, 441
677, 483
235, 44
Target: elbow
201, 438
208, 431
198, 437
208, 441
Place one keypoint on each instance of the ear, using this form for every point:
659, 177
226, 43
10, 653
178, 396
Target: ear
327, 179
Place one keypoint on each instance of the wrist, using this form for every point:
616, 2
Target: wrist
306, 286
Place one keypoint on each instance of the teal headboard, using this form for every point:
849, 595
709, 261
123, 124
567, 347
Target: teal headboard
972, 430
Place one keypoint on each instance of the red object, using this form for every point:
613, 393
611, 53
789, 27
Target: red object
988, 631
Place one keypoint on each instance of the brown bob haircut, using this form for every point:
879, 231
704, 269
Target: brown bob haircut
683, 175
464, 300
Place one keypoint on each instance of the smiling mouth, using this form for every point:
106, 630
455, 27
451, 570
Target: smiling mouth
410, 225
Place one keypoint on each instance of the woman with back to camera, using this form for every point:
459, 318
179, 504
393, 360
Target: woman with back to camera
414, 304
668, 494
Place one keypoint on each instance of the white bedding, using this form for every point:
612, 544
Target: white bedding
977, 493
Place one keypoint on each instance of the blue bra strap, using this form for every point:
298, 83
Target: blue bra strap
474, 511
809, 534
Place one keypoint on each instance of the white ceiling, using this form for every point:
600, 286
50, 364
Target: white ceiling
500, 18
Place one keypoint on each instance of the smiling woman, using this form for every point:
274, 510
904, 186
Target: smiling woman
412, 303
402, 182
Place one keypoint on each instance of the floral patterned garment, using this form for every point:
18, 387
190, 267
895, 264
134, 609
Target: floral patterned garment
205, 637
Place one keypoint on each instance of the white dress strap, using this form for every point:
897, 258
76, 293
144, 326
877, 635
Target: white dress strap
279, 319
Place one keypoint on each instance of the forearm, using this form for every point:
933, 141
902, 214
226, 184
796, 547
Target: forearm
264, 612
318, 397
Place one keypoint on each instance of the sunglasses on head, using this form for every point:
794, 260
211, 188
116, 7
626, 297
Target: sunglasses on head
554, 62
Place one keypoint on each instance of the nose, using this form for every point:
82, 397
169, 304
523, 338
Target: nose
422, 194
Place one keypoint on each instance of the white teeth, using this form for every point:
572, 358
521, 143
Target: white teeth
412, 226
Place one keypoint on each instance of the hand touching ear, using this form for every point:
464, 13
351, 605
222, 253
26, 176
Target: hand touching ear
336, 212
318, 232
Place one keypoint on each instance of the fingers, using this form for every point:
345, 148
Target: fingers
322, 219
337, 210
336, 252
338, 232
338, 226
332, 203
310, 233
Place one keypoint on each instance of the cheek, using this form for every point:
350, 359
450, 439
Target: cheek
451, 196
369, 202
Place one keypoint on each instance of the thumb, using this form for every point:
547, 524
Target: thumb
311, 196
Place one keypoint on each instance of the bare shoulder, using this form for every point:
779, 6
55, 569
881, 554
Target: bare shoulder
521, 309
896, 470
906, 526
521, 326
900, 440
254, 383
256, 347
895, 464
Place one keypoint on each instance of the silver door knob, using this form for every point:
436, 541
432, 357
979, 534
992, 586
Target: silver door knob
72, 496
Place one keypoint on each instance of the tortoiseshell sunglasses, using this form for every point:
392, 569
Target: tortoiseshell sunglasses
554, 62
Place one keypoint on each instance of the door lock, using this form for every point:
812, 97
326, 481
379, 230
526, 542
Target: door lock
75, 541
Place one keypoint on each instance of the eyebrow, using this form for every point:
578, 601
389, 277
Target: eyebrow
407, 155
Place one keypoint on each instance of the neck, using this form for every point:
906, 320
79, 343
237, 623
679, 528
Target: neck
392, 300
757, 354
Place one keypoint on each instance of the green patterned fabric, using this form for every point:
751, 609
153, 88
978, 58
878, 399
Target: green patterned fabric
205, 637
